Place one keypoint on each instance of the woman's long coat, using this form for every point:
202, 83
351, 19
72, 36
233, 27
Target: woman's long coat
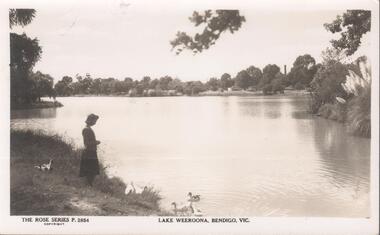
89, 164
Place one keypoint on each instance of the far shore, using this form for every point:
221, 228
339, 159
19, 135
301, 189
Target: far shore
37, 105
205, 93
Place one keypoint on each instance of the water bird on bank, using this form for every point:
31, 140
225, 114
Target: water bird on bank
183, 209
45, 166
193, 198
131, 188
340, 100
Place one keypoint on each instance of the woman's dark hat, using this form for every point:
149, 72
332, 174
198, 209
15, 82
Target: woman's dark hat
92, 118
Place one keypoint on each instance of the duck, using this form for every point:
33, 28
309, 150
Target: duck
183, 209
340, 100
128, 189
131, 188
193, 198
45, 166
195, 211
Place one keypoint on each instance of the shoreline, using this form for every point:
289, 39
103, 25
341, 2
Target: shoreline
61, 191
202, 94
37, 105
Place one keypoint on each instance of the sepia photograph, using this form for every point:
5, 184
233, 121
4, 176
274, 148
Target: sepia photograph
202, 114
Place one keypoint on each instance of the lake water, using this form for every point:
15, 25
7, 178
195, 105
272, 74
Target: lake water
245, 156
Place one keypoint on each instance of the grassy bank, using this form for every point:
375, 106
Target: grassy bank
60, 191
37, 105
250, 93
355, 113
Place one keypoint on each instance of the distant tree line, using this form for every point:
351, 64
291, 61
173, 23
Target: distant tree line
270, 80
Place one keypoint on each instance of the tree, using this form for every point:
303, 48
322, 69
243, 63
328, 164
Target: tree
96, 86
42, 85
333, 54
269, 73
226, 81
176, 84
85, 84
243, 80
215, 23
278, 83
153, 84
21, 17
255, 74
352, 26
194, 88
145, 82
24, 53
128, 84
213, 84
164, 82
327, 84
64, 86
303, 70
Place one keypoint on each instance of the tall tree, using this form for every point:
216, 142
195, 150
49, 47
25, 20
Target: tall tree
255, 74
269, 73
175, 84
24, 53
214, 22
145, 82
64, 86
164, 82
226, 81
213, 84
21, 17
42, 86
243, 80
352, 26
327, 83
303, 70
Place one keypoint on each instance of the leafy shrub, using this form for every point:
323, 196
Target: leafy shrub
299, 86
267, 89
335, 112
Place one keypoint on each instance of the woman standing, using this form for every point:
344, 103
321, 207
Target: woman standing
89, 165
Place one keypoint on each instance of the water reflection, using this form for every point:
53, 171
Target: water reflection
253, 156
345, 163
346, 160
34, 113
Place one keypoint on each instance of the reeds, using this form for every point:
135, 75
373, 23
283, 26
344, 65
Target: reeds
359, 113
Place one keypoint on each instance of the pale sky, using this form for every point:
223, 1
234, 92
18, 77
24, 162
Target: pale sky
114, 40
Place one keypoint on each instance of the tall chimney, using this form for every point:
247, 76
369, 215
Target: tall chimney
285, 69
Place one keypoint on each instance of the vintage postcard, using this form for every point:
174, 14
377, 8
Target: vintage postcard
167, 117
